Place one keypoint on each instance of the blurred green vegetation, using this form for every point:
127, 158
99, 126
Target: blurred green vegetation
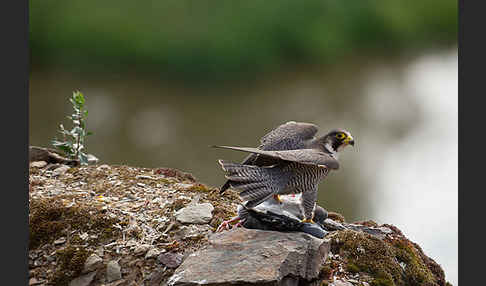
229, 39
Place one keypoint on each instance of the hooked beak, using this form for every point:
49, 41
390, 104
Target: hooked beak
349, 141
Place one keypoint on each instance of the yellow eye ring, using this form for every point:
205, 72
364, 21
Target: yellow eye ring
340, 136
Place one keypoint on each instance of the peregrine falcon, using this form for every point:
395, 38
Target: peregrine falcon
289, 160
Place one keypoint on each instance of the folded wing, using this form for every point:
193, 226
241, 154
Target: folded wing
303, 156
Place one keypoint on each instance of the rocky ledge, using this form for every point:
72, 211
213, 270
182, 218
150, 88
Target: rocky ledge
120, 225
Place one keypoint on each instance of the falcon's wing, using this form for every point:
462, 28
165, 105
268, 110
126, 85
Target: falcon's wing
303, 156
288, 136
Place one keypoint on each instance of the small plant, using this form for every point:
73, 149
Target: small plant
73, 143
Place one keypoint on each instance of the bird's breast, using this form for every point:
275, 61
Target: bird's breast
305, 177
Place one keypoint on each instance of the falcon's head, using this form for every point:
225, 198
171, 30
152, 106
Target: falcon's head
337, 139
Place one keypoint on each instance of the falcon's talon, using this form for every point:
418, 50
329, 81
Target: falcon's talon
227, 224
240, 223
308, 220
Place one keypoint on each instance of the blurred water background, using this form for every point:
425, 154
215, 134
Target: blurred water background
165, 80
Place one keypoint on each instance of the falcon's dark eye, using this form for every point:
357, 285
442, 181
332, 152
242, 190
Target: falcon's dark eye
340, 136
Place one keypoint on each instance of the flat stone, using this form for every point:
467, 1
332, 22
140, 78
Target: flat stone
83, 280
34, 281
61, 170
141, 249
170, 259
92, 262
113, 271
260, 257
60, 241
103, 167
152, 253
38, 164
341, 283
196, 213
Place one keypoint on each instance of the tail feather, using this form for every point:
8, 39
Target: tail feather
224, 187
256, 184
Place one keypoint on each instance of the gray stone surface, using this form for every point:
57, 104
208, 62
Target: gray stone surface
170, 259
91, 263
83, 280
195, 213
113, 271
61, 170
341, 283
247, 256
152, 253
142, 249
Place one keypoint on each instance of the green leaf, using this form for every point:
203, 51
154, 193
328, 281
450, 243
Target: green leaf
83, 158
62, 143
76, 131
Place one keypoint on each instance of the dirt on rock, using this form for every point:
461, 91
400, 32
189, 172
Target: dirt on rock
112, 211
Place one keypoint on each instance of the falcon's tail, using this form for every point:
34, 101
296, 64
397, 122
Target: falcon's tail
256, 184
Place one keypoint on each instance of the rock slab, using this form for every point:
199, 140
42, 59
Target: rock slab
196, 213
254, 257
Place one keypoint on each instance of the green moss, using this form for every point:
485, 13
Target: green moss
381, 259
70, 264
326, 272
49, 219
382, 282
353, 268
220, 214
416, 270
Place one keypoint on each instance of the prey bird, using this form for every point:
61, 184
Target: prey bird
289, 160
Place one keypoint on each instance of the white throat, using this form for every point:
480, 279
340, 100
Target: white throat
331, 149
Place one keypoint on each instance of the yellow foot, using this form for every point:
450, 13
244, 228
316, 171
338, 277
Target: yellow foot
309, 220
277, 198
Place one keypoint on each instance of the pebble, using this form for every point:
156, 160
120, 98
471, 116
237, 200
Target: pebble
182, 186
385, 229
38, 164
170, 259
60, 241
141, 249
143, 177
92, 262
61, 170
34, 281
103, 167
152, 253
113, 271
100, 252
197, 213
